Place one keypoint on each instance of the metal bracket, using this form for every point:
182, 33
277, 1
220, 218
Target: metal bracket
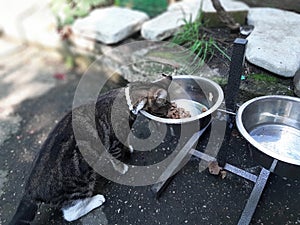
260, 183
169, 173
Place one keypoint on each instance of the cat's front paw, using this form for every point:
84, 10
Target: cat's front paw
81, 207
121, 167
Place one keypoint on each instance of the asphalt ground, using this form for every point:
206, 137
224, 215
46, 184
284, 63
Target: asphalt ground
192, 197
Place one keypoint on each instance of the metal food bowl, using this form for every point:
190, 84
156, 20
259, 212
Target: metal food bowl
193, 94
271, 124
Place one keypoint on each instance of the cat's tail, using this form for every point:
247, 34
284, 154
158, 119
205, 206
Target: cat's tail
25, 213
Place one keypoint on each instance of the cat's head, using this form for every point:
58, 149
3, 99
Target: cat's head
151, 97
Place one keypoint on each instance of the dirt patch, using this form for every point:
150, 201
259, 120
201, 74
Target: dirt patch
255, 81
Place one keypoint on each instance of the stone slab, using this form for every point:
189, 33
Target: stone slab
166, 24
274, 43
190, 8
297, 83
229, 5
163, 26
238, 10
291, 5
110, 25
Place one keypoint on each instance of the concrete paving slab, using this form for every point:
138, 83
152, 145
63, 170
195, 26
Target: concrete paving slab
109, 25
275, 41
164, 25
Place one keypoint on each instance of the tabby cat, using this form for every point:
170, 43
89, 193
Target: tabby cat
61, 176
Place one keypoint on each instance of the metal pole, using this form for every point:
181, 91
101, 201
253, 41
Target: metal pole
232, 88
235, 73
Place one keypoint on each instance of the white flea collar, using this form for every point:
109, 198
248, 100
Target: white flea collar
128, 100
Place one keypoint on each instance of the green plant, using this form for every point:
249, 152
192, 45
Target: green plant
152, 8
202, 46
66, 11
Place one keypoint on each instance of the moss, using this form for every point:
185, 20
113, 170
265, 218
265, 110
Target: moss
161, 54
264, 84
220, 80
260, 77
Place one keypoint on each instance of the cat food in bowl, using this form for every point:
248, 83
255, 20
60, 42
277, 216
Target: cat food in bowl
176, 112
184, 108
196, 98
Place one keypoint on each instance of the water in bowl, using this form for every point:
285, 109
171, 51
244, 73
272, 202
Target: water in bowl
280, 139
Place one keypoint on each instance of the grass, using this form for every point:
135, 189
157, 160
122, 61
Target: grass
199, 43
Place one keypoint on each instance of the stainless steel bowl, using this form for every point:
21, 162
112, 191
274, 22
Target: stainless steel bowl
192, 93
271, 124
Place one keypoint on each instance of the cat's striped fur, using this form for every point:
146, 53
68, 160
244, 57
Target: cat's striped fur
61, 176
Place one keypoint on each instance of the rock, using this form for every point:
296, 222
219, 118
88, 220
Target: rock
246, 29
190, 8
238, 10
274, 43
286, 4
166, 24
109, 25
31, 21
297, 83
163, 26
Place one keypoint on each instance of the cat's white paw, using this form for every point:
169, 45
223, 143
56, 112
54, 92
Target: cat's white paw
98, 199
81, 207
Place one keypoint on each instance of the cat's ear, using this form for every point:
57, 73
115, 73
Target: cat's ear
161, 96
165, 81
140, 104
